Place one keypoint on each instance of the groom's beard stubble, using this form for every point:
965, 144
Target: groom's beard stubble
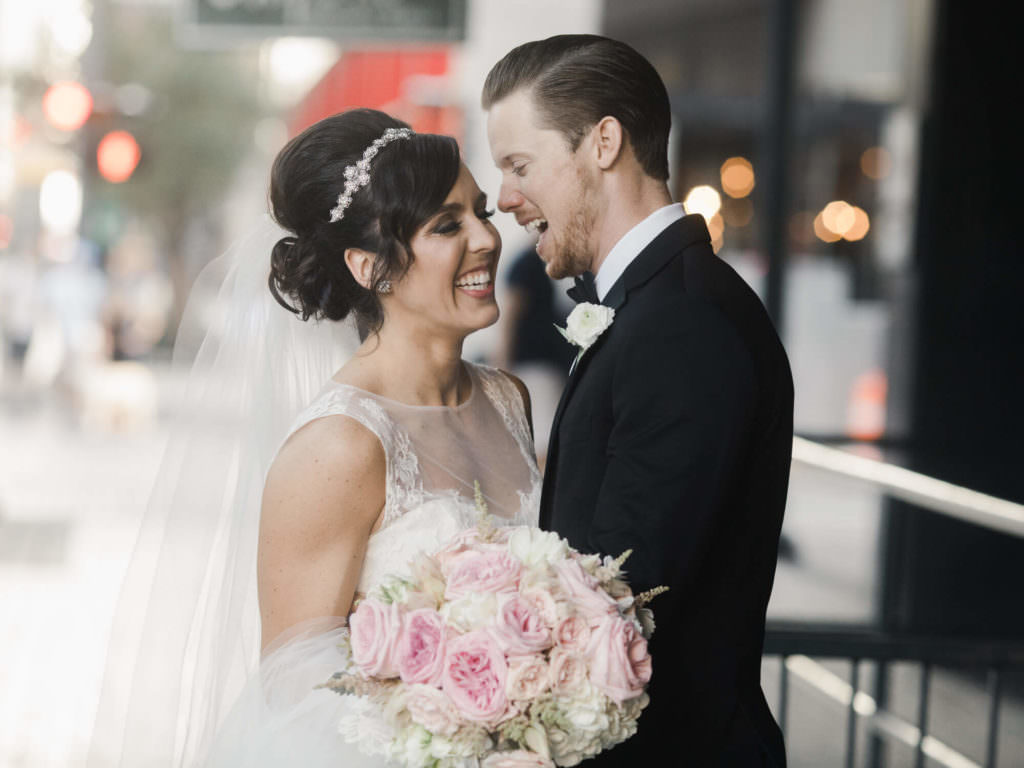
572, 255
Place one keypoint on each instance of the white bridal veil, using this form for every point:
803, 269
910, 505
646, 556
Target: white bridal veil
185, 635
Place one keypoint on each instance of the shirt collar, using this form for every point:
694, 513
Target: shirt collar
631, 244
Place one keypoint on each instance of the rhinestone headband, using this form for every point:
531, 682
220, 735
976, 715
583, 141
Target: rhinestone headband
358, 176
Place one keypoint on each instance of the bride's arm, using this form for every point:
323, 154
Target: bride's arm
323, 495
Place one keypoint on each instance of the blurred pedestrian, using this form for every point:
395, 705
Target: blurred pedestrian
531, 348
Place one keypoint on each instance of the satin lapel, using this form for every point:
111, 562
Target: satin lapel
676, 237
552, 459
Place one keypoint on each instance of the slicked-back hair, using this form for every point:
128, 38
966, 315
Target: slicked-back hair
575, 80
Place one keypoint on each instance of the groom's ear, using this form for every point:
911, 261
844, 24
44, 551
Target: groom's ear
360, 264
607, 137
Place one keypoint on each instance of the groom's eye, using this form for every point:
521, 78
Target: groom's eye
519, 169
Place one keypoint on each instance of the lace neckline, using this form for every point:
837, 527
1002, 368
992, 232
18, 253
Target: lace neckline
399, 404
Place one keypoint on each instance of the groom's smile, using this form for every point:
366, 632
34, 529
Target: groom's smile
542, 184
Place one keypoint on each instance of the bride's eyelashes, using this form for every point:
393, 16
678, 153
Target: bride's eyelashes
447, 226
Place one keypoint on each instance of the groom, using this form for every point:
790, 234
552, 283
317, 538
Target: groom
674, 433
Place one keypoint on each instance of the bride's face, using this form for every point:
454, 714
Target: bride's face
450, 285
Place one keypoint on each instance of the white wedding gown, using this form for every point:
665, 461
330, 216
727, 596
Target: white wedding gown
434, 455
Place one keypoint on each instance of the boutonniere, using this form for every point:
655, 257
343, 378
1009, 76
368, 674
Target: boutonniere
585, 325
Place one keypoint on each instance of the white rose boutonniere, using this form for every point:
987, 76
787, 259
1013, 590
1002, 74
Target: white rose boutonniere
585, 324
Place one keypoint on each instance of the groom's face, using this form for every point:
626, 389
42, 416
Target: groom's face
544, 184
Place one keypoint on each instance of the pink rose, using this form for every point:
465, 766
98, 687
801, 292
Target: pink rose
493, 571
568, 670
527, 677
432, 709
543, 603
421, 647
584, 591
573, 633
519, 628
374, 631
467, 541
519, 758
474, 676
620, 665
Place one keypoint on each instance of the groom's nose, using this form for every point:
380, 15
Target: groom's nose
509, 198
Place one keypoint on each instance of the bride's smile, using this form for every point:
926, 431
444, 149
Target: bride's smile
449, 287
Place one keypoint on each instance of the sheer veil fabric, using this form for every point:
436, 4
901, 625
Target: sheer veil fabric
185, 683
185, 635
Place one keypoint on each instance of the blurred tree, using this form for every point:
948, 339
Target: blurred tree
194, 132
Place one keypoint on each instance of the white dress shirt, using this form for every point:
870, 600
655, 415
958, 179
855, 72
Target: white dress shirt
630, 245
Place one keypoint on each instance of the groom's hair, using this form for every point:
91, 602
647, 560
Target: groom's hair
575, 80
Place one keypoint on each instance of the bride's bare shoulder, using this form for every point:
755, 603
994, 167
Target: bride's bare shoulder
329, 446
333, 464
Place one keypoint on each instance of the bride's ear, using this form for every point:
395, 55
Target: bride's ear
360, 264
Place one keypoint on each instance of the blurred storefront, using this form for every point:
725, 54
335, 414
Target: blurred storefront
850, 159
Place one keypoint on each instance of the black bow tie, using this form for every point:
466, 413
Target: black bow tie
584, 290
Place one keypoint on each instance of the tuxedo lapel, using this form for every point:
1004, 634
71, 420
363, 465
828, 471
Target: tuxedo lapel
651, 260
676, 237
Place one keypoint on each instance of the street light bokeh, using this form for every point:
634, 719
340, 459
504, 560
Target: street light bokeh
67, 105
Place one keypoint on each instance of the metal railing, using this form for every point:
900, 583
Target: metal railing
797, 644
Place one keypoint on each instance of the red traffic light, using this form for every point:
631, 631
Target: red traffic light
117, 156
67, 105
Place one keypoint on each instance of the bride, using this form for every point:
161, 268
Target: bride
388, 232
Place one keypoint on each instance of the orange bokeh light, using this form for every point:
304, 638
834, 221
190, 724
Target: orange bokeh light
737, 177
823, 231
67, 105
875, 162
860, 226
117, 156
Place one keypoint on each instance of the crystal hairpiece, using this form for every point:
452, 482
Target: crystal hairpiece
358, 176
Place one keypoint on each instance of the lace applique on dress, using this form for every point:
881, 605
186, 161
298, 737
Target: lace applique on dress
507, 400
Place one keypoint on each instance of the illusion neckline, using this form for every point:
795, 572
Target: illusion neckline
464, 404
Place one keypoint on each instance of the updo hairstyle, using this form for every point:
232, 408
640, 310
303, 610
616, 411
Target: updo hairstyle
409, 182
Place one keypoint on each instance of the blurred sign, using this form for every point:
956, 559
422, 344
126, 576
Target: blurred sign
219, 23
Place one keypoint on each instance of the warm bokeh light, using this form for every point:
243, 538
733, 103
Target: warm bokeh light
835, 216
737, 177
6, 230
822, 231
737, 213
704, 200
60, 202
67, 105
875, 162
860, 226
716, 226
865, 413
117, 156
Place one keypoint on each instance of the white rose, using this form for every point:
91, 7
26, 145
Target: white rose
432, 709
586, 322
475, 610
533, 546
413, 746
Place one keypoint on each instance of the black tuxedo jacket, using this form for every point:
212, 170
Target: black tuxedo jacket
673, 438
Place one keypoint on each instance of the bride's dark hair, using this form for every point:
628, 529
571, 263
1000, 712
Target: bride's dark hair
409, 181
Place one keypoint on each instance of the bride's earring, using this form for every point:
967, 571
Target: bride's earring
384, 287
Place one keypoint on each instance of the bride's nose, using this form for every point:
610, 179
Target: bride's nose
483, 237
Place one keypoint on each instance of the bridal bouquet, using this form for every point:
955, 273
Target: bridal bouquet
506, 646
